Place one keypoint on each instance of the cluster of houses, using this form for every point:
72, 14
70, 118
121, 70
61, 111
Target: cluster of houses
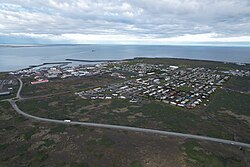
179, 86
6, 86
44, 74
140, 69
183, 87
240, 73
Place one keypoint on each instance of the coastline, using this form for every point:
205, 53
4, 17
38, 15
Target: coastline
170, 60
16, 56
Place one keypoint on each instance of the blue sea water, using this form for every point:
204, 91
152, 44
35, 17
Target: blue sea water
13, 58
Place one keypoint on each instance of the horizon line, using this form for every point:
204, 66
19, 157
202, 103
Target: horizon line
139, 44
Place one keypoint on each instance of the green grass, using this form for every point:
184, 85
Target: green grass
9, 128
3, 146
232, 101
104, 141
192, 63
3, 75
29, 133
198, 156
22, 149
48, 143
30, 105
80, 128
5, 105
98, 154
20, 119
119, 103
40, 156
136, 164
58, 129
185, 88
238, 83
218, 132
66, 104
79, 165
82, 86
155, 115
59, 85
4, 158
171, 117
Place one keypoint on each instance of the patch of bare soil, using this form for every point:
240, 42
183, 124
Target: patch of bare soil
120, 110
4, 115
54, 103
237, 116
96, 106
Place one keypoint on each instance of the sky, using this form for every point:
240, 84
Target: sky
157, 22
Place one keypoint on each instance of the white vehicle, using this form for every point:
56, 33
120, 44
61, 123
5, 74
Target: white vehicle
67, 120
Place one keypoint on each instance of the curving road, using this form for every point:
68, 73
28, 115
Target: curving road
20, 88
127, 128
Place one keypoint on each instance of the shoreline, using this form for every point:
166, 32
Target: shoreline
92, 61
60, 62
43, 64
70, 60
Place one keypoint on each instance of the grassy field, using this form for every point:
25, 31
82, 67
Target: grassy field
193, 63
157, 115
65, 85
185, 88
62, 145
239, 84
232, 101
196, 155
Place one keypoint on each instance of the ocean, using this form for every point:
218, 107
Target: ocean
14, 58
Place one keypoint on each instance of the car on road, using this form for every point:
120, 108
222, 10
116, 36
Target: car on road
67, 120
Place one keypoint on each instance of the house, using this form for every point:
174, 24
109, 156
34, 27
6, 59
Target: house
173, 103
39, 81
5, 93
173, 67
122, 97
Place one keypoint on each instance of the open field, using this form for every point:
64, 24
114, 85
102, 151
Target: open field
64, 85
239, 84
212, 121
29, 143
193, 63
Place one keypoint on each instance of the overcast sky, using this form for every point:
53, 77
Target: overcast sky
125, 21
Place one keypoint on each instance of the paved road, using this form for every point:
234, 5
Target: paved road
20, 88
127, 128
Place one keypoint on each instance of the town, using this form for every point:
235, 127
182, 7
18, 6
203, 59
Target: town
183, 87
138, 82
